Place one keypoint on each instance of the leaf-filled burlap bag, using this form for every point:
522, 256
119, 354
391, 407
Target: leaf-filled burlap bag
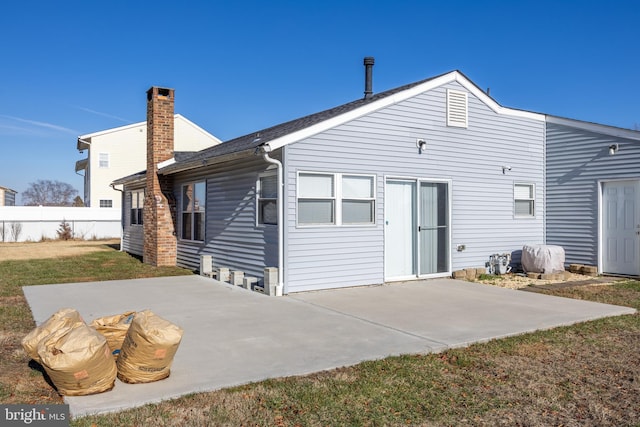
114, 329
78, 360
58, 320
148, 349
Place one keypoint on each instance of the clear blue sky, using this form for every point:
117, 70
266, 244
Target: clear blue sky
70, 68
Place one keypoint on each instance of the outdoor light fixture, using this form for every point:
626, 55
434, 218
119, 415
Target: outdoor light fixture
505, 169
421, 144
613, 148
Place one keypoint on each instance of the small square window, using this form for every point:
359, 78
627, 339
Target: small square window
106, 203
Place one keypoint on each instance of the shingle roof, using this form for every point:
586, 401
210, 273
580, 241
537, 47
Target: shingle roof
253, 140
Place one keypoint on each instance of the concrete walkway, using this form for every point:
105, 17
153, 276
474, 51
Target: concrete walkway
234, 337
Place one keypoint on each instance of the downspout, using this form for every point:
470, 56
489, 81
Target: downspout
266, 149
112, 185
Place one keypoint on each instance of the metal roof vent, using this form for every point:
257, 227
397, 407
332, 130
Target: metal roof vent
457, 108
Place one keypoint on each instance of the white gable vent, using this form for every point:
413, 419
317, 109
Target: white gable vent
457, 108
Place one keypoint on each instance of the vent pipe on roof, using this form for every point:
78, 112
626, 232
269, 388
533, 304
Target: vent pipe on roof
368, 76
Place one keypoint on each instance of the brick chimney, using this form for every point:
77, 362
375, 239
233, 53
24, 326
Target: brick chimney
159, 204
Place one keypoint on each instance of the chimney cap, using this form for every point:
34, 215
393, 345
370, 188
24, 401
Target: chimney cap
369, 60
159, 91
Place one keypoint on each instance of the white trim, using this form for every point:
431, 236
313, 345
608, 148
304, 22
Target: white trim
337, 200
166, 163
453, 76
265, 174
596, 128
532, 185
143, 126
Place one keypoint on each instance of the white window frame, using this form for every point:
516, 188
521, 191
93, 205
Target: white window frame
136, 208
192, 210
103, 160
105, 202
531, 200
260, 199
337, 199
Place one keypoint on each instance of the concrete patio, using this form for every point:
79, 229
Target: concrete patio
233, 336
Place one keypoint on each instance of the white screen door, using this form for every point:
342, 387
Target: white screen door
621, 227
434, 227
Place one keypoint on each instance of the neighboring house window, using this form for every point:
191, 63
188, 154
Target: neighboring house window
106, 203
267, 199
524, 200
103, 160
457, 108
193, 210
335, 199
137, 203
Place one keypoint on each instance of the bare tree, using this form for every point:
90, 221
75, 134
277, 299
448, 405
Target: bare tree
16, 230
49, 193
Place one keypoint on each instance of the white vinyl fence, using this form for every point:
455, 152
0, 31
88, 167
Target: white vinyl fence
35, 223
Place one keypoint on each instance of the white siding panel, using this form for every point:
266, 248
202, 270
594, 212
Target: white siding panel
232, 236
384, 143
576, 160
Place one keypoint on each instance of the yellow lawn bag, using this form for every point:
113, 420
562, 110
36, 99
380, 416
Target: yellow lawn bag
59, 319
78, 361
148, 349
114, 329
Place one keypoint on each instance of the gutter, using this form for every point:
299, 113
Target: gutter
265, 149
112, 185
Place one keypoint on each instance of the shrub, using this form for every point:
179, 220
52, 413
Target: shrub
65, 232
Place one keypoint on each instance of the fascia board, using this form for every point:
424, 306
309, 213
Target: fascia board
118, 129
595, 128
166, 163
399, 97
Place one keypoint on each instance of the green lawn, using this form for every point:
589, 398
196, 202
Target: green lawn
583, 375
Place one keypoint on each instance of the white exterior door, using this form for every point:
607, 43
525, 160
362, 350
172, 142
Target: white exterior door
417, 231
400, 226
621, 227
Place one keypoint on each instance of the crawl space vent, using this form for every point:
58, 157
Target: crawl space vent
456, 108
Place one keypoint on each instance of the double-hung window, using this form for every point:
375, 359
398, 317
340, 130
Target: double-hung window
524, 200
335, 199
193, 211
103, 160
267, 199
137, 203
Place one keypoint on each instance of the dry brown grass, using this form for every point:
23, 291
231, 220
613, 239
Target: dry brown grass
53, 248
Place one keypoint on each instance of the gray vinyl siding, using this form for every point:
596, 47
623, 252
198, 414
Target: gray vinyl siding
133, 235
232, 236
383, 143
576, 161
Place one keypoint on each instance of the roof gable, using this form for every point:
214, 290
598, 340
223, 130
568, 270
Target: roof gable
83, 139
295, 130
596, 128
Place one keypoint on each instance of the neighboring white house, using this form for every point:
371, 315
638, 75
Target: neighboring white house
122, 151
7, 196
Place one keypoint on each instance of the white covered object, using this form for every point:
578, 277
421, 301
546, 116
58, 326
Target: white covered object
546, 259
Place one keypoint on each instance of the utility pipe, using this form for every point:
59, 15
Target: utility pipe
266, 149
